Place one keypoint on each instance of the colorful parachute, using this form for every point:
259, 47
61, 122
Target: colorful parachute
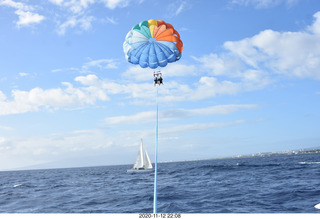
152, 44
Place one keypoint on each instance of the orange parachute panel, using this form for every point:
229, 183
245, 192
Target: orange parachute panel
168, 38
167, 32
179, 45
158, 30
160, 22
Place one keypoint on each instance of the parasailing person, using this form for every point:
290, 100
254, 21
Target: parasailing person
157, 78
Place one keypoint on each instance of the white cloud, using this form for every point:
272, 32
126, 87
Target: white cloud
129, 90
101, 64
26, 18
80, 6
51, 99
57, 2
92, 89
16, 5
143, 117
77, 13
82, 24
198, 127
261, 4
23, 74
207, 87
25, 13
88, 80
178, 11
315, 27
224, 65
254, 61
43, 149
2, 96
111, 20
75, 6
291, 53
6, 128
172, 70
167, 115
112, 4
138, 74
175, 8
91, 66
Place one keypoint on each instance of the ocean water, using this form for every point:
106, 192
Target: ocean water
276, 184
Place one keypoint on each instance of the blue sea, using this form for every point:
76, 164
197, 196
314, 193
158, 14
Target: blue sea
274, 184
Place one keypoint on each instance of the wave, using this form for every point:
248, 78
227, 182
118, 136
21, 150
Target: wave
237, 165
258, 165
308, 162
212, 167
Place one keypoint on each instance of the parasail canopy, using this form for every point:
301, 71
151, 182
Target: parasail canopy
152, 43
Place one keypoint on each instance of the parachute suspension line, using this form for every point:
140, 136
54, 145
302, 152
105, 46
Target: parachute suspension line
158, 81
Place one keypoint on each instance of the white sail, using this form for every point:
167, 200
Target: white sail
139, 160
147, 163
137, 163
141, 155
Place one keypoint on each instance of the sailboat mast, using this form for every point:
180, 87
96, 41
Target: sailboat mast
141, 154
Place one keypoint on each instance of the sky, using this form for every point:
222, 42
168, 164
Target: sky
248, 81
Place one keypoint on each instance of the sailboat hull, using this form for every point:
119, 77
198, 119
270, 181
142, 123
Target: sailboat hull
141, 170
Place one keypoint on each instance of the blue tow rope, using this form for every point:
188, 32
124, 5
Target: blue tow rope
155, 164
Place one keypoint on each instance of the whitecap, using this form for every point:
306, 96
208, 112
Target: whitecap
308, 162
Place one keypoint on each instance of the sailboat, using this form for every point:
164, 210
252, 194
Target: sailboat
143, 163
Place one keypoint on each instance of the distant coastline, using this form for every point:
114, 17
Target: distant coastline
261, 154
288, 152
